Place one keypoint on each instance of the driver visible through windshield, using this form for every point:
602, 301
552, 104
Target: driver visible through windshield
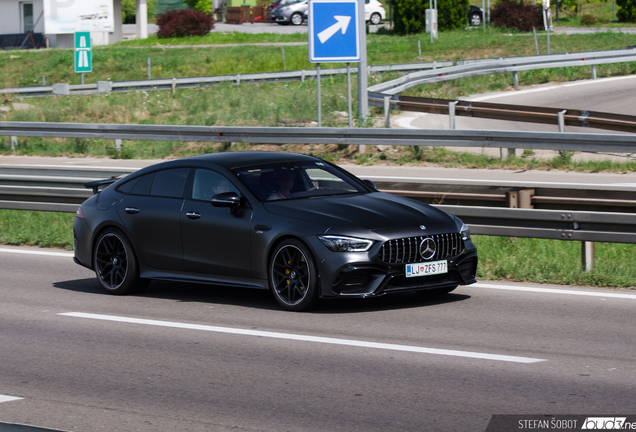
300, 180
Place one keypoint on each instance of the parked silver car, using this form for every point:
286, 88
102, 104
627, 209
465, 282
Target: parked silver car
290, 11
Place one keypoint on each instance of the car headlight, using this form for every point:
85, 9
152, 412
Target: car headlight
345, 244
465, 232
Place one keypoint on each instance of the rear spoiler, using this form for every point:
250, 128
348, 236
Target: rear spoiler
97, 183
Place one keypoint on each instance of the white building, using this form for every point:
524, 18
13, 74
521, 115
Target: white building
17, 17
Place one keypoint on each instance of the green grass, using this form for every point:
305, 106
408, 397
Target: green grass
43, 229
554, 261
517, 259
119, 62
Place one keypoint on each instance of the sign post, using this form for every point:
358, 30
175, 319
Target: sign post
83, 53
334, 34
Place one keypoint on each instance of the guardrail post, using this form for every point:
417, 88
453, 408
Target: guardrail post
593, 71
387, 110
505, 152
515, 80
174, 85
561, 117
587, 255
302, 75
118, 145
14, 142
451, 114
104, 86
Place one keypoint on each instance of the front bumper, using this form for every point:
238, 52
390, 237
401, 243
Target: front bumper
360, 275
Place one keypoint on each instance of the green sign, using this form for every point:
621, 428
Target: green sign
83, 53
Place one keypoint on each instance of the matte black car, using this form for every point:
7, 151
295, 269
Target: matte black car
295, 224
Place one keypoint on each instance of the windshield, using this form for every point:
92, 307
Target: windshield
297, 180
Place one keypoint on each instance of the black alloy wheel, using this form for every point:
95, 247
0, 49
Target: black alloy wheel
293, 276
475, 19
115, 264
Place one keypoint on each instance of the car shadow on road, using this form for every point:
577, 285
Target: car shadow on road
262, 299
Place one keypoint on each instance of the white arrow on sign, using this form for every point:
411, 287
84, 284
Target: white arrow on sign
342, 24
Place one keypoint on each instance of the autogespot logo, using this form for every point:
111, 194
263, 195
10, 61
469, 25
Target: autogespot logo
606, 423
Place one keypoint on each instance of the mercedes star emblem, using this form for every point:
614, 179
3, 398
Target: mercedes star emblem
427, 248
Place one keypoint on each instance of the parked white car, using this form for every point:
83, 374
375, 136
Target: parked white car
374, 12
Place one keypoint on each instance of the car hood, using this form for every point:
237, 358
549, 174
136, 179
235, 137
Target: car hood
373, 211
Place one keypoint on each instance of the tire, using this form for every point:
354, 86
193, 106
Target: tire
436, 292
474, 19
115, 264
375, 18
296, 18
293, 276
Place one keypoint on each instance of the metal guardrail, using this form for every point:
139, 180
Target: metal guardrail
193, 82
344, 136
59, 189
503, 65
571, 117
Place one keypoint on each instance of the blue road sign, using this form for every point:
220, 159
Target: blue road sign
334, 31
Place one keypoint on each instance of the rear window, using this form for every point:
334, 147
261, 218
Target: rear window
169, 183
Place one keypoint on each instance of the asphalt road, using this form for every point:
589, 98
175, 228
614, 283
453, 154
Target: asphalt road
202, 358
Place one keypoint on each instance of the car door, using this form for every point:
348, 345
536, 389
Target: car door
151, 210
216, 241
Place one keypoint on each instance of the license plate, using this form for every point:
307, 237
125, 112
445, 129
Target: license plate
426, 269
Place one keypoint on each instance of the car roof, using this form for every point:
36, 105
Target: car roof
233, 160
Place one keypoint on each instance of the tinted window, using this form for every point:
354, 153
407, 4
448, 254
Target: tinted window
169, 183
127, 187
301, 180
142, 187
209, 183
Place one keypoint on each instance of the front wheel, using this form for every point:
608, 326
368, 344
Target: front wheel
375, 18
296, 19
115, 264
293, 276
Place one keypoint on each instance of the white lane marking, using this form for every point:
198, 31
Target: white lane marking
36, 252
4, 398
306, 338
554, 291
441, 180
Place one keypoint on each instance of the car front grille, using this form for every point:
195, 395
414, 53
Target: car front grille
407, 250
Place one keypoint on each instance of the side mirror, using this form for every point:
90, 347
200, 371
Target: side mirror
226, 199
370, 184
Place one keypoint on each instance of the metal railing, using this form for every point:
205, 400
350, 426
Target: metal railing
503, 65
193, 82
343, 136
59, 189
519, 113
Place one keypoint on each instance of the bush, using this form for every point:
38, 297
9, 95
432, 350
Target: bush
410, 15
517, 14
184, 22
626, 11
589, 20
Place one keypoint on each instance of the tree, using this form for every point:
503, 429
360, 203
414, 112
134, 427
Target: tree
204, 6
626, 11
129, 10
410, 15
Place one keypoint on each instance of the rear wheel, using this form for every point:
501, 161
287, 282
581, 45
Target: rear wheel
115, 264
375, 18
293, 276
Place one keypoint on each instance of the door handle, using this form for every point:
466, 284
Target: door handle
193, 215
132, 210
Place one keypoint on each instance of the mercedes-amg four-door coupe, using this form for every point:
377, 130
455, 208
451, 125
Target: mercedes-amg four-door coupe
294, 224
